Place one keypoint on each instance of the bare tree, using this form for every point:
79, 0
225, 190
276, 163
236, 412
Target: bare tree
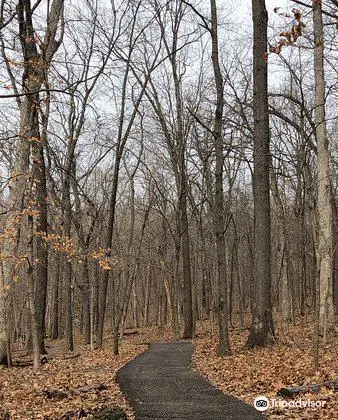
176, 136
262, 328
126, 55
218, 208
30, 143
324, 202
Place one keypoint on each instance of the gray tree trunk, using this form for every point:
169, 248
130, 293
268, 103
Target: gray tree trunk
324, 249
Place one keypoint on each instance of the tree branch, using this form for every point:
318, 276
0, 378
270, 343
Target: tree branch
325, 12
205, 21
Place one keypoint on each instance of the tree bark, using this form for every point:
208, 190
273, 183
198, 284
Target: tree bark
324, 199
262, 328
55, 299
218, 207
109, 242
3, 324
86, 302
283, 283
31, 298
41, 272
67, 224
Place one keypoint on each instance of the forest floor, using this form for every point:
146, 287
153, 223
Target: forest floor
245, 374
25, 396
248, 374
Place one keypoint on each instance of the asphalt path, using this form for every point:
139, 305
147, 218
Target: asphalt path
160, 384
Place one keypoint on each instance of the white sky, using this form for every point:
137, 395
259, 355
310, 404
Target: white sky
244, 6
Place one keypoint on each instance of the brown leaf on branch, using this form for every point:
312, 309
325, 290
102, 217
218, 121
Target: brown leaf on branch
289, 38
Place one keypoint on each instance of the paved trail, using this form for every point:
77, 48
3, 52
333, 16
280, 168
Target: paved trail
161, 385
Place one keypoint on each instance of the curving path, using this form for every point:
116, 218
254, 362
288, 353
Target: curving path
161, 385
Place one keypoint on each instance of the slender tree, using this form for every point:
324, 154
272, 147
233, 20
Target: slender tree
324, 185
126, 55
218, 207
176, 136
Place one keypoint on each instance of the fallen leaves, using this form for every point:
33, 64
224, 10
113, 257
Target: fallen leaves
263, 371
245, 374
22, 393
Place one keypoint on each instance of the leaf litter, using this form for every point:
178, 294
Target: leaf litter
245, 374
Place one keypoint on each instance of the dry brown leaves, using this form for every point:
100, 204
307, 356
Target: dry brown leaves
247, 374
21, 391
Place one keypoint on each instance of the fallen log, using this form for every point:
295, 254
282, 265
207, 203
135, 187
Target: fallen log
128, 333
25, 363
54, 394
61, 394
291, 392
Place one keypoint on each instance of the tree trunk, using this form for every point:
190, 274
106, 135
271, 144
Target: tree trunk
285, 297
86, 302
67, 224
55, 299
182, 186
69, 303
218, 208
109, 241
324, 204
147, 295
262, 328
189, 323
93, 305
41, 271
31, 298
3, 326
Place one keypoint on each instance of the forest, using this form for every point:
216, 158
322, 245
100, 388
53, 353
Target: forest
168, 171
